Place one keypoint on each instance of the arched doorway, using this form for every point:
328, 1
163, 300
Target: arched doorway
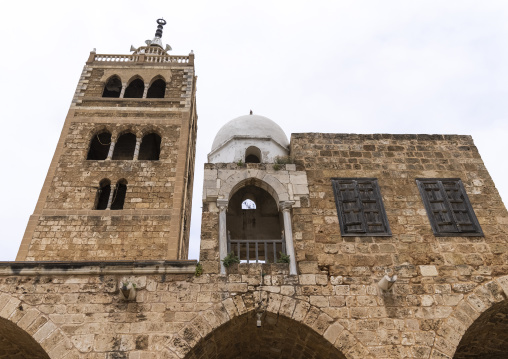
487, 337
277, 337
16, 343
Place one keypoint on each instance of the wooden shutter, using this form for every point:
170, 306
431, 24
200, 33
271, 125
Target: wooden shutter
448, 207
359, 207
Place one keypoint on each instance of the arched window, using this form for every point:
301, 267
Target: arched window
99, 146
103, 192
253, 155
248, 204
125, 146
157, 89
113, 87
135, 89
150, 147
119, 195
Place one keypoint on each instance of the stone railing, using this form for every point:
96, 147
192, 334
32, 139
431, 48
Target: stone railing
150, 58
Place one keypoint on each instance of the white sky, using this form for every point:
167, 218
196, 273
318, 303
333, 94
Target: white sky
320, 66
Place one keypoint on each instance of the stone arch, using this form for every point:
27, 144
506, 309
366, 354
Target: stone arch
304, 318
125, 145
135, 87
149, 129
481, 302
99, 144
257, 178
112, 87
18, 318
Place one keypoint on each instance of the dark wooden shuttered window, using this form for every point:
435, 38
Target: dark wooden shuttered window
448, 207
359, 207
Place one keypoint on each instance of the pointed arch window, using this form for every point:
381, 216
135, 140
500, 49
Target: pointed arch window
157, 89
103, 192
113, 87
135, 89
125, 146
248, 204
150, 147
99, 146
119, 195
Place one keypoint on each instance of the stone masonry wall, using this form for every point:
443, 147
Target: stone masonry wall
65, 225
183, 316
396, 160
444, 283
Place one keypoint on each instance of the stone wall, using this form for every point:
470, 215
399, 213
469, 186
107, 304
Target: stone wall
396, 161
72, 314
154, 221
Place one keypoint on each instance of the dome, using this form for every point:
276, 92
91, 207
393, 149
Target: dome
250, 126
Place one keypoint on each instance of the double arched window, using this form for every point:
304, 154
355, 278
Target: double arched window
105, 199
135, 88
126, 147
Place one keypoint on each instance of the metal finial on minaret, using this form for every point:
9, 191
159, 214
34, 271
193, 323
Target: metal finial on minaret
161, 22
158, 34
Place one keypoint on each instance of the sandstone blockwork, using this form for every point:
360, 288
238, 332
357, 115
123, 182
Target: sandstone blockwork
102, 271
446, 284
120, 184
212, 316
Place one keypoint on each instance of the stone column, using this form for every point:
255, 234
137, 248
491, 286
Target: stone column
111, 149
285, 207
111, 193
222, 204
145, 91
136, 149
122, 91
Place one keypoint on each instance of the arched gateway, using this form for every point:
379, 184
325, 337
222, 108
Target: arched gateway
277, 337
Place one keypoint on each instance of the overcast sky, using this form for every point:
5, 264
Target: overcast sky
320, 66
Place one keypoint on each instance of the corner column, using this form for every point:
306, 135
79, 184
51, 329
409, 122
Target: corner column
285, 207
222, 204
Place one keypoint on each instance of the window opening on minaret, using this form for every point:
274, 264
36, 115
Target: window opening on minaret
157, 89
135, 89
253, 155
99, 146
103, 192
119, 195
150, 147
125, 146
113, 87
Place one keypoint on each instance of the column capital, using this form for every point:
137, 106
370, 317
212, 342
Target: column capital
222, 204
286, 205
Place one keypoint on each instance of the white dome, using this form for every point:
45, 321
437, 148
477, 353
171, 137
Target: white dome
250, 126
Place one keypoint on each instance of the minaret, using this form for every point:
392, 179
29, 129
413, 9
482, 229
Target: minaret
119, 186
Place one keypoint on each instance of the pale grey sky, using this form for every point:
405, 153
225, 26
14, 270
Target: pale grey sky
320, 66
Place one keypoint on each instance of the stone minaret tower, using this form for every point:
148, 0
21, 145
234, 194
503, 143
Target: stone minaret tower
120, 183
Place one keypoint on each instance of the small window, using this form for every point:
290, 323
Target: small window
157, 89
248, 204
448, 207
99, 146
125, 146
135, 89
360, 207
113, 87
150, 147
103, 192
253, 155
119, 195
